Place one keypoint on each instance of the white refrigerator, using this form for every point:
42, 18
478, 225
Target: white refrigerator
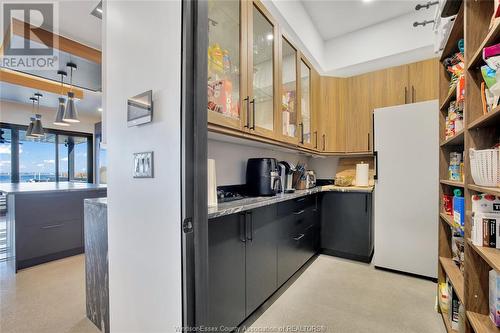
406, 198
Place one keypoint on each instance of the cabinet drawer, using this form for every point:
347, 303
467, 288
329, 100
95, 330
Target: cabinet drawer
295, 206
50, 238
293, 253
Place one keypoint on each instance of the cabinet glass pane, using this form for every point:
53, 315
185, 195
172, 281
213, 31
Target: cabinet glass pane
289, 90
263, 74
224, 57
305, 111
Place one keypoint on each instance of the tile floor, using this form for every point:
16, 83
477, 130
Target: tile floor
342, 296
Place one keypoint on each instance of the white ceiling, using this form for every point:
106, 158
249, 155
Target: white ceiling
75, 22
333, 18
87, 106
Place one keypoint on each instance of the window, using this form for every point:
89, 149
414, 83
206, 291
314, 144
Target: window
5, 155
37, 158
57, 156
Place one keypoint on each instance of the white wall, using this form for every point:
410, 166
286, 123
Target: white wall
143, 51
20, 113
384, 41
325, 167
231, 159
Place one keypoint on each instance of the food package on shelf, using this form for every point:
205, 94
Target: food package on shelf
458, 210
485, 229
461, 88
215, 59
454, 168
494, 297
485, 203
458, 248
220, 98
448, 204
453, 307
443, 297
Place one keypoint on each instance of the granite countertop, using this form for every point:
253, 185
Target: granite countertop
228, 208
97, 202
15, 188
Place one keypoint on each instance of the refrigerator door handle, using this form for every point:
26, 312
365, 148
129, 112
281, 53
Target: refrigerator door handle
375, 156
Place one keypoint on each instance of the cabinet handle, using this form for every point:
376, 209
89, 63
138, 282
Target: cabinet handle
298, 237
299, 212
406, 95
248, 114
413, 93
249, 226
243, 228
253, 114
301, 133
375, 157
316, 135
324, 142
52, 226
366, 203
300, 199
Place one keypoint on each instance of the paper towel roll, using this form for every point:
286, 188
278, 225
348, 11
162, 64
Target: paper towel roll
212, 184
362, 174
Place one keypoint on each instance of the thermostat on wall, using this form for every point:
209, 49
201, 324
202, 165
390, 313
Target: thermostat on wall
140, 109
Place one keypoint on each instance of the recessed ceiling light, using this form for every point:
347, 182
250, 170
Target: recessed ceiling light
367, 0
99, 109
269, 37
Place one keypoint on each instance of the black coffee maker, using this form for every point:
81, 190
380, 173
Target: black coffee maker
262, 177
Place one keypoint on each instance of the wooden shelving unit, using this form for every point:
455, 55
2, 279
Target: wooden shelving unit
481, 323
482, 131
447, 323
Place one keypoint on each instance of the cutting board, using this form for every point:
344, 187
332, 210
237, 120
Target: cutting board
347, 167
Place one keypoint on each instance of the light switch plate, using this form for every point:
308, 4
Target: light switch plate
143, 165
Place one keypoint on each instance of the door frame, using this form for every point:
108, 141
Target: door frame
194, 207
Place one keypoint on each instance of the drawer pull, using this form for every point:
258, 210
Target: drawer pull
299, 212
300, 199
52, 226
298, 237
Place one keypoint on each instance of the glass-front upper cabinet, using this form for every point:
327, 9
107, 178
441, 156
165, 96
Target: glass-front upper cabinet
305, 104
262, 71
226, 44
289, 116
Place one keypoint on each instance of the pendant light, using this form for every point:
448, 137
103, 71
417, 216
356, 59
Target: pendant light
61, 108
71, 115
37, 124
32, 121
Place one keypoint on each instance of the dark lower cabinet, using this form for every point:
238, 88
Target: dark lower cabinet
251, 254
261, 256
347, 225
226, 255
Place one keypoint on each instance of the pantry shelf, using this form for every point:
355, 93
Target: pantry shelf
490, 39
449, 97
457, 139
490, 255
457, 33
455, 275
451, 183
481, 323
484, 189
447, 323
447, 218
490, 119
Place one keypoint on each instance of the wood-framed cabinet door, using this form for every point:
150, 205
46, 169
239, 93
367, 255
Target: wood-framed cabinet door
423, 80
262, 72
334, 93
393, 85
315, 109
288, 115
227, 63
359, 114
305, 104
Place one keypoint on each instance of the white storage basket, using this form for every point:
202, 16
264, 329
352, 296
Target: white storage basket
485, 167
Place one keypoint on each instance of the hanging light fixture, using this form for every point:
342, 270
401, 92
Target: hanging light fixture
37, 124
61, 108
32, 121
71, 115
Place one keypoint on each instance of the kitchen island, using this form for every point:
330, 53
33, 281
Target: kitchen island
45, 220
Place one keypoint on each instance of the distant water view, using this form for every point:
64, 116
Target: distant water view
24, 178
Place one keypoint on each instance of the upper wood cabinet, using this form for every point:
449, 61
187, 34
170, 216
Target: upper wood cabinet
227, 81
358, 114
305, 105
331, 116
289, 114
423, 80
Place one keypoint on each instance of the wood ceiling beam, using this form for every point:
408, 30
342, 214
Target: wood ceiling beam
53, 40
37, 83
